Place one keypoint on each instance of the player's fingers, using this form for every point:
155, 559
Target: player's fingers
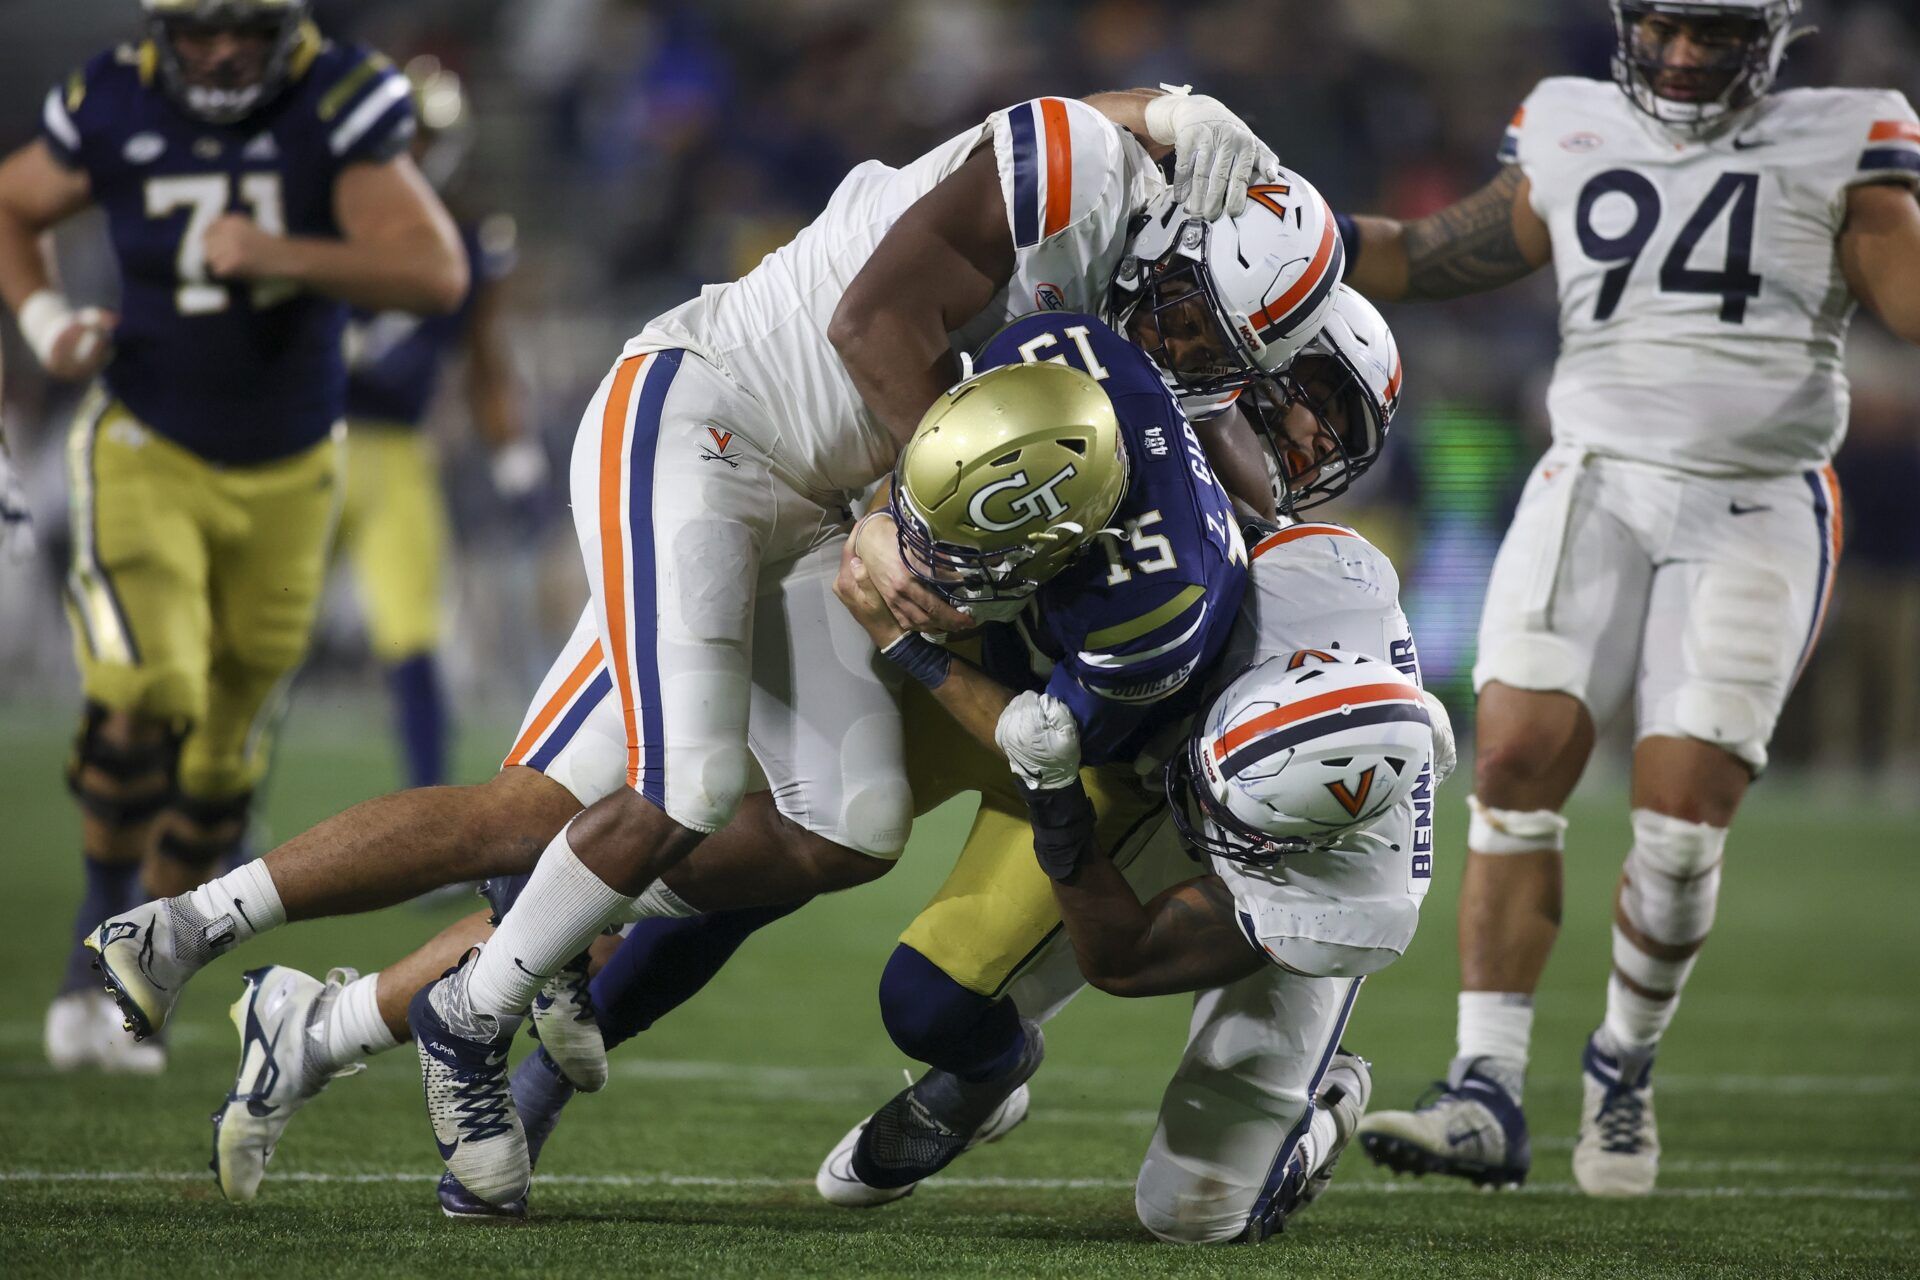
1183, 160
1218, 176
1237, 180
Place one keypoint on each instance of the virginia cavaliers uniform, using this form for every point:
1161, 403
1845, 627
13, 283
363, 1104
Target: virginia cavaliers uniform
205, 465
1123, 636
1239, 1102
393, 523
1679, 538
711, 483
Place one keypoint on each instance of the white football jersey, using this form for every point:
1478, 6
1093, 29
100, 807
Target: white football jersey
1702, 308
1351, 909
1072, 181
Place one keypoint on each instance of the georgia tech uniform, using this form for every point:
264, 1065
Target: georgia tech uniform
393, 523
1239, 1101
205, 465
1687, 510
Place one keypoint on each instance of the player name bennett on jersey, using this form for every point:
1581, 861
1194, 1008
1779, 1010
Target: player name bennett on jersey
245, 372
1702, 310
1120, 633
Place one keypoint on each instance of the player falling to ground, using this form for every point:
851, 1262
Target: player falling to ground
393, 522
1676, 545
255, 182
711, 482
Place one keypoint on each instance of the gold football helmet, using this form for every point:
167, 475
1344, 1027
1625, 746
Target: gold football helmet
1006, 478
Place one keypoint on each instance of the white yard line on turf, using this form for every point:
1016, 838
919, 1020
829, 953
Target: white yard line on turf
954, 1184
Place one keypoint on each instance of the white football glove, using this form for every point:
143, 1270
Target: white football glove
16, 522
1215, 154
1041, 741
1446, 753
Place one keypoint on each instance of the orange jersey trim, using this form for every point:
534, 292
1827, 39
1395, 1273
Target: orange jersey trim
1053, 116
1298, 532
588, 664
613, 561
1894, 130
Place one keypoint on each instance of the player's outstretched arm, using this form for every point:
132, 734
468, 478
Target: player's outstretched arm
398, 251
1215, 154
1490, 238
1880, 255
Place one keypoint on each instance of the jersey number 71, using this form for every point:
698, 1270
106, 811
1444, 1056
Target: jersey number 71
206, 196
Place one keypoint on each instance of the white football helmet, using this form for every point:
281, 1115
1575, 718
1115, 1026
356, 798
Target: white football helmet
1296, 752
1326, 422
1751, 38
1221, 304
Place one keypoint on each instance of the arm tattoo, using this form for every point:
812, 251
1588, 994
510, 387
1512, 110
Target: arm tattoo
1469, 246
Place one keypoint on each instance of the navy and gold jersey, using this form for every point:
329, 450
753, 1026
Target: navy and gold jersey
394, 358
243, 372
1120, 633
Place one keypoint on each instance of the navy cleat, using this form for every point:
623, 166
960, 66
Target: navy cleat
1467, 1126
463, 1071
1307, 1174
458, 1202
1618, 1153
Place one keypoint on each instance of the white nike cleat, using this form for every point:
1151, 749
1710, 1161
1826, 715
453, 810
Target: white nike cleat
463, 1069
1344, 1092
75, 1036
564, 1022
147, 954
838, 1184
281, 1017
1618, 1153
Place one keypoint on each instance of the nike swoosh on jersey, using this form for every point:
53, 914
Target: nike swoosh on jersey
1735, 509
1748, 144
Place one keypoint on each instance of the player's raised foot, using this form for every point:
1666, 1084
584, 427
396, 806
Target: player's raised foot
924, 1128
146, 955
564, 1023
458, 1202
463, 1070
1618, 1153
1343, 1094
281, 1017
76, 1027
1467, 1126
540, 1091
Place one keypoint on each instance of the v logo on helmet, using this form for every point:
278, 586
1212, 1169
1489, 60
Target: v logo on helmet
1038, 503
1355, 800
1267, 193
1301, 657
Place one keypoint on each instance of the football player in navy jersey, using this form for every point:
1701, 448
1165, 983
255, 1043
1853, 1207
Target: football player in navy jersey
393, 526
255, 183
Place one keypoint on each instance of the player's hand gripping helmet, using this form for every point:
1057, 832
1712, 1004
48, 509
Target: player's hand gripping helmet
229, 87
1693, 64
1008, 476
1222, 304
1296, 752
1325, 423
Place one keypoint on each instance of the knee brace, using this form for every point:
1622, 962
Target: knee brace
1670, 889
219, 824
936, 1020
141, 777
1514, 830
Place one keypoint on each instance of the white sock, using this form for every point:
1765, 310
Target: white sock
1635, 1021
354, 1028
1497, 1025
1321, 1135
246, 894
661, 903
557, 916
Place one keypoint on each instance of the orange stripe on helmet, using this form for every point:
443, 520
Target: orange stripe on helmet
613, 560
1309, 279
588, 664
1393, 379
1519, 117
1053, 115
1365, 695
1894, 130
1297, 532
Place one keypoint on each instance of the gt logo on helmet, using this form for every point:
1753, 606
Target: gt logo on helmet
1038, 503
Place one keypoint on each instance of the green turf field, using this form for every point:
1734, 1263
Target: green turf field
1786, 1096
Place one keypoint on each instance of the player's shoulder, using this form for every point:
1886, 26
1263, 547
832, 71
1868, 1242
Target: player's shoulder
1569, 114
360, 101
99, 99
1060, 161
1855, 135
1321, 559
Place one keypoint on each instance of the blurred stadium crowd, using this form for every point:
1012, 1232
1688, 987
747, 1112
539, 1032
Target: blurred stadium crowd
647, 148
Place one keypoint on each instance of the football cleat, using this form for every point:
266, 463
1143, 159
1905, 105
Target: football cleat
1467, 1126
924, 1128
76, 1027
540, 1091
565, 1026
463, 1071
1343, 1094
281, 1017
1618, 1153
458, 1202
146, 956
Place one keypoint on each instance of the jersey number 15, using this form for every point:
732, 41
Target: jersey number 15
206, 196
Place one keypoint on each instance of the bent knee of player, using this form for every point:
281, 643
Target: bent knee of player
704, 788
874, 821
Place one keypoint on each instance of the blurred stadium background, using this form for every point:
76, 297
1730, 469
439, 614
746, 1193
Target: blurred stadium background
646, 148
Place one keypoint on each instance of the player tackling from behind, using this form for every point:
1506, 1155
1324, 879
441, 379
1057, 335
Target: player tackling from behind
1676, 544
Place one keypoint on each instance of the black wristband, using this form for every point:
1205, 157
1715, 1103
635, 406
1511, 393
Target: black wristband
1063, 820
1349, 237
920, 658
